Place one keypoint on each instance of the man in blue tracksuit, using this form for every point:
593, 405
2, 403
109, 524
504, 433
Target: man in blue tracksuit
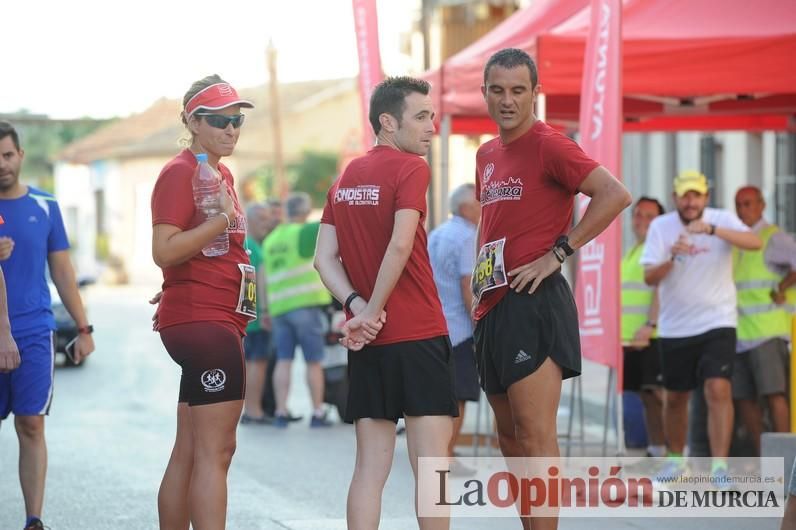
32, 237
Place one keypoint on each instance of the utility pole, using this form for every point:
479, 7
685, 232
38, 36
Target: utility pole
280, 183
426, 14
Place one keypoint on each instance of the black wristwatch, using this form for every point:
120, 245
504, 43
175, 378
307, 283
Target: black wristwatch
86, 330
563, 243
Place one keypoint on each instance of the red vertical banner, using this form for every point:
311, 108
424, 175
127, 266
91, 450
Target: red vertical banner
597, 287
370, 74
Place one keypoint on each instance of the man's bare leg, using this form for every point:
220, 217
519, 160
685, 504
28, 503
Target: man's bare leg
428, 436
507, 434
653, 415
255, 383
718, 394
457, 429
675, 419
375, 448
752, 416
32, 461
780, 413
282, 385
534, 407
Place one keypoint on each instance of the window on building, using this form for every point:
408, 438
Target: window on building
785, 182
711, 157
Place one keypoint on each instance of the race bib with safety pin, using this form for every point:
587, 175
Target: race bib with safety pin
247, 299
489, 270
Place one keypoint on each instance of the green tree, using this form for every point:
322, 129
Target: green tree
313, 173
42, 139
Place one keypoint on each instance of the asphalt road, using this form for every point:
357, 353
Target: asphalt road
112, 425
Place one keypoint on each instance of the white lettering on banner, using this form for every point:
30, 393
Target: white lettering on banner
364, 195
592, 258
364, 53
602, 67
367, 40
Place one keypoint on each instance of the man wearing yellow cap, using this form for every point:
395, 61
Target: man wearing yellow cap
762, 279
688, 255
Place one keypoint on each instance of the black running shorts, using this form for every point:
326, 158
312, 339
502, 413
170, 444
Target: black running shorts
642, 368
516, 336
412, 378
687, 361
211, 357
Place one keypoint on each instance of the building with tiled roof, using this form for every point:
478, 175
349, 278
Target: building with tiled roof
104, 181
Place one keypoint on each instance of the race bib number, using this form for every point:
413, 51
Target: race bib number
489, 270
247, 298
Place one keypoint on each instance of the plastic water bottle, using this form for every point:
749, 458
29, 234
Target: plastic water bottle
206, 184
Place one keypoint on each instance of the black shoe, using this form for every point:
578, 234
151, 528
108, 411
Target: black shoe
291, 418
262, 420
320, 421
36, 524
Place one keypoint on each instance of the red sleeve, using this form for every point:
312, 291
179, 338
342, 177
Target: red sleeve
327, 217
566, 163
413, 180
172, 198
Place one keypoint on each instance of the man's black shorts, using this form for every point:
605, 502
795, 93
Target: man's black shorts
515, 337
687, 361
642, 368
466, 388
412, 378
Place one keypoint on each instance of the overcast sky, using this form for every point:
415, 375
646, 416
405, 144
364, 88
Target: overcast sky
74, 58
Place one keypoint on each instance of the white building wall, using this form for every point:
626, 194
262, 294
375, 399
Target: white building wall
687, 151
127, 187
74, 193
768, 184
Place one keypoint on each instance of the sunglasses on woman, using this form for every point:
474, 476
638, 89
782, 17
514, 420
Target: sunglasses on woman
221, 121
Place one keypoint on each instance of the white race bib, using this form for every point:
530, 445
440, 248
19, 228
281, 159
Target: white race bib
489, 272
247, 298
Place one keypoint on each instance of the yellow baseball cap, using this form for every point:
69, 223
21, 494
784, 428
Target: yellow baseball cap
690, 180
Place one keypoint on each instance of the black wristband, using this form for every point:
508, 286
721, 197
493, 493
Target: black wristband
559, 254
563, 243
712, 230
351, 297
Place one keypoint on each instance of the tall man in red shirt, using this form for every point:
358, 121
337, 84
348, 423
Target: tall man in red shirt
526, 335
372, 255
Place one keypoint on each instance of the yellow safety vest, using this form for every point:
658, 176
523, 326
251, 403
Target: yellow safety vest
291, 280
636, 295
759, 318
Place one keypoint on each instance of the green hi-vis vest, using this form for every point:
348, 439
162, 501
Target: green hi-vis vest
636, 295
758, 316
291, 280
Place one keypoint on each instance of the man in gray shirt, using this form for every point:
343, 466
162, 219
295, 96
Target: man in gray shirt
451, 249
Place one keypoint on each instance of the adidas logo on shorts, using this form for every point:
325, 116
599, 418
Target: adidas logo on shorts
521, 357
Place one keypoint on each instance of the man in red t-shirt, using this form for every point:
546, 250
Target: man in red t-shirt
372, 255
526, 336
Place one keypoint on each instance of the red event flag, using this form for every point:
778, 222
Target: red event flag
597, 287
370, 74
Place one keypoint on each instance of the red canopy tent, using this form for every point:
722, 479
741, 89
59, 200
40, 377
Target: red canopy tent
688, 64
